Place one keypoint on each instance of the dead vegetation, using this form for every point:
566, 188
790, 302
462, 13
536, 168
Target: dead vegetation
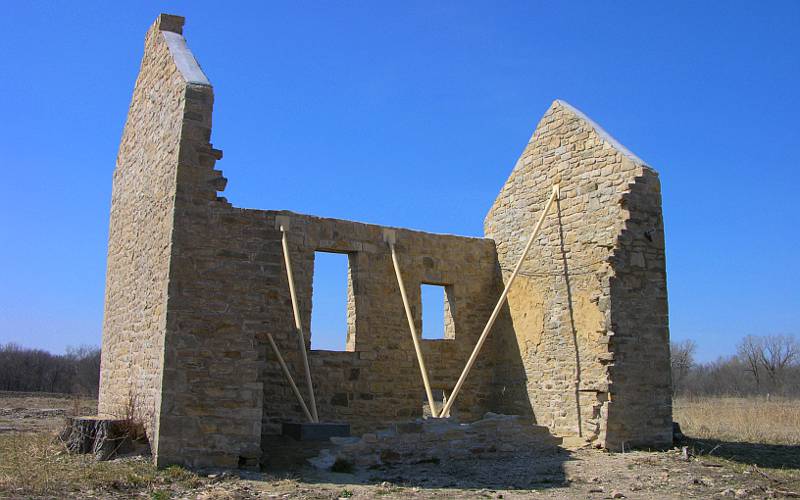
37, 464
737, 448
753, 420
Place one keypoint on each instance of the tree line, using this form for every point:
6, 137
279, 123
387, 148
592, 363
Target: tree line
35, 370
767, 365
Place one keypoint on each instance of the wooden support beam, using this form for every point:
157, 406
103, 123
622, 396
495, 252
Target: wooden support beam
283, 225
499, 305
289, 378
390, 236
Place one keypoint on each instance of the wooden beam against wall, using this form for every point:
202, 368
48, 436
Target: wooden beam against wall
283, 224
390, 237
289, 378
499, 305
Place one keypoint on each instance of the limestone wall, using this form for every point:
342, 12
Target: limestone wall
577, 340
140, 234
212, 395
231, 289
191, 375
379, 381
640, 414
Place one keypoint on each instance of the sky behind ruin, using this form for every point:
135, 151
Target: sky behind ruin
412, 114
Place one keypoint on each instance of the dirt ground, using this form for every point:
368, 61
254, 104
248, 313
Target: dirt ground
32, 464
31, 412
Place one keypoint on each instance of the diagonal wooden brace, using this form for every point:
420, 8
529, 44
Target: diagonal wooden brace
289, 378
500, 302
390, 237
282, 223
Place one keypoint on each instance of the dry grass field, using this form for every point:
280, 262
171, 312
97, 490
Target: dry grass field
739, 449
750, 420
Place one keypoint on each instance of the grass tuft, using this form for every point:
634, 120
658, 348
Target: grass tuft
36, 464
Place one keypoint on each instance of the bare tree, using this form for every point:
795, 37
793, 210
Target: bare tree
751, 352
762, 365
23, 369
86, 362
681, 361
779, 352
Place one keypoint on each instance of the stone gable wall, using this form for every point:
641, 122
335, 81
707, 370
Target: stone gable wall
575, 339
140, 238
212, 395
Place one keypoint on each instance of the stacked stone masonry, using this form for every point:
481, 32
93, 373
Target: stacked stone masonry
194, 285
441, 440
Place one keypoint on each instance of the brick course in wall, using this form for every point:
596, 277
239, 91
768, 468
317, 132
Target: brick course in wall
194, 285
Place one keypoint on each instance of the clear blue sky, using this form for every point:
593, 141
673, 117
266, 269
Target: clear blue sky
412, 114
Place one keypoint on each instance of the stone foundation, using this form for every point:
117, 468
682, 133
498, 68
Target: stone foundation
436, 440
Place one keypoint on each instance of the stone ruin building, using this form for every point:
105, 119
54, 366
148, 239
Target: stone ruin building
194, 285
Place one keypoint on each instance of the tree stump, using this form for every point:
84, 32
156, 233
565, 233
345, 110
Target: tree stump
102, 437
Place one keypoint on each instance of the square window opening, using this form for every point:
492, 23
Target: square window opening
332, 303
437, 312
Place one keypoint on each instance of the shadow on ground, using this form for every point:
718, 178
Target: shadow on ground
773, 456
515, 471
